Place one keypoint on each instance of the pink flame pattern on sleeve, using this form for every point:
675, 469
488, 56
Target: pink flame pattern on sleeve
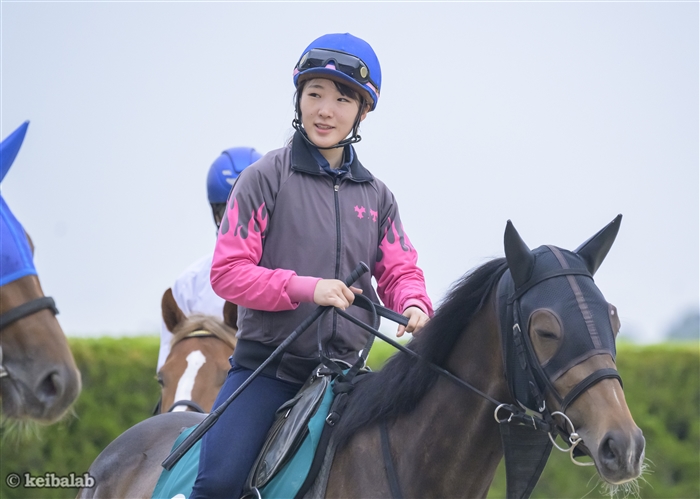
400, 282
235, 274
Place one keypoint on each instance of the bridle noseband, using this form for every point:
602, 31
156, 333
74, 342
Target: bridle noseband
22, 311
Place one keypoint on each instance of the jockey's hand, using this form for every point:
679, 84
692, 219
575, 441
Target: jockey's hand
416, 320
334, 293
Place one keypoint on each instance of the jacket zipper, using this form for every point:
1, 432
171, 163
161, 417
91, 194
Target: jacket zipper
336, 187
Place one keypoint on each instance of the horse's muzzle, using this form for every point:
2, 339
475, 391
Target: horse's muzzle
621, 455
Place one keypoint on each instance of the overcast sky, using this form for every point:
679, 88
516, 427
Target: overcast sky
557, 116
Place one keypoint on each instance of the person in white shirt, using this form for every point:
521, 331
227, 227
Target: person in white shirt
192, 290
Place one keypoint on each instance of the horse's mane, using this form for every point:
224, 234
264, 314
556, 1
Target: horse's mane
403, 382
197, 322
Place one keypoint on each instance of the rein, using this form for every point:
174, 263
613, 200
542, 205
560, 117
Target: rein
20, 312
517, 415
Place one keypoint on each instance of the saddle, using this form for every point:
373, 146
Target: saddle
290, 428
298, 439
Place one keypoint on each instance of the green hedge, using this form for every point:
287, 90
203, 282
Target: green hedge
119, 390
662, 387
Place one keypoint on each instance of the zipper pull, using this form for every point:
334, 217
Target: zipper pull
336, 187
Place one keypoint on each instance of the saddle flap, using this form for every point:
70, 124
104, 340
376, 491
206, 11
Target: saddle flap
288, 431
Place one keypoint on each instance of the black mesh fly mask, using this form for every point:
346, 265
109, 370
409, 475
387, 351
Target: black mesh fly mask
557, 283
562, 285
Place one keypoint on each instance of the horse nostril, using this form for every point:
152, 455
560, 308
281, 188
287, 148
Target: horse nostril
50, 388
610, 452
607, 451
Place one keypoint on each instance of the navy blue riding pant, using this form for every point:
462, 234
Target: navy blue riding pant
230, 447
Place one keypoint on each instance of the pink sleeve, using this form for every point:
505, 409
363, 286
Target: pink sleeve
236, 276
400, 282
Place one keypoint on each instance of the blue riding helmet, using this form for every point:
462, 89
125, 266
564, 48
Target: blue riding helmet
224, 171
344, 58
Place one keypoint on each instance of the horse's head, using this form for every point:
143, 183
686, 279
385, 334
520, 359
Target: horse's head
197, 364
38, 376
560, 349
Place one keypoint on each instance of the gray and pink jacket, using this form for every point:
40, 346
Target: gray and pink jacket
288, 224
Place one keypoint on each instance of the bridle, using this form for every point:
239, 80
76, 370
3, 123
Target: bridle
538, 382
22, 311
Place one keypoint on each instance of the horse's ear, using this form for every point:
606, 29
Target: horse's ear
230, 314
172, 315
520, 259
594, 250
10, 147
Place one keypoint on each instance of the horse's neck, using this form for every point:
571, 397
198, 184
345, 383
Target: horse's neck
450, 445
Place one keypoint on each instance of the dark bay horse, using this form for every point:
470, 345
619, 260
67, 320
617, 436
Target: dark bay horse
443, 440
196, 366
38, 376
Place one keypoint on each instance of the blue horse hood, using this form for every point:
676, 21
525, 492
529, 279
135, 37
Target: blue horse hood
10, 147
16, 258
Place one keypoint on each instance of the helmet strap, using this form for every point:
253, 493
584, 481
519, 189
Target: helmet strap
218, 210
354, 139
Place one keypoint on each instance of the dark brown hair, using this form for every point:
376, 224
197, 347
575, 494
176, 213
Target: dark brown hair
344, 89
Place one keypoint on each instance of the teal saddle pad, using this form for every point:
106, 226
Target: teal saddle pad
180, 479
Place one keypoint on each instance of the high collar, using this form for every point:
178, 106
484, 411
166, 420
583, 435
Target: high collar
304, 161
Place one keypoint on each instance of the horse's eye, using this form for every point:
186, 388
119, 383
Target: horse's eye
159, 378
547, 335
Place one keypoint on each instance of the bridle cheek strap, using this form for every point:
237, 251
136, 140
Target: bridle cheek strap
26, 309
586, 383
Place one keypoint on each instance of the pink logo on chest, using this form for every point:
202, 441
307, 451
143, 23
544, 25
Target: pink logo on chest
360, 210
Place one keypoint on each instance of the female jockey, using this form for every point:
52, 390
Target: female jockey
297, 222
192, 290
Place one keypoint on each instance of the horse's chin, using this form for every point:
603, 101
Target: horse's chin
628, 489
616, 480
20, 405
